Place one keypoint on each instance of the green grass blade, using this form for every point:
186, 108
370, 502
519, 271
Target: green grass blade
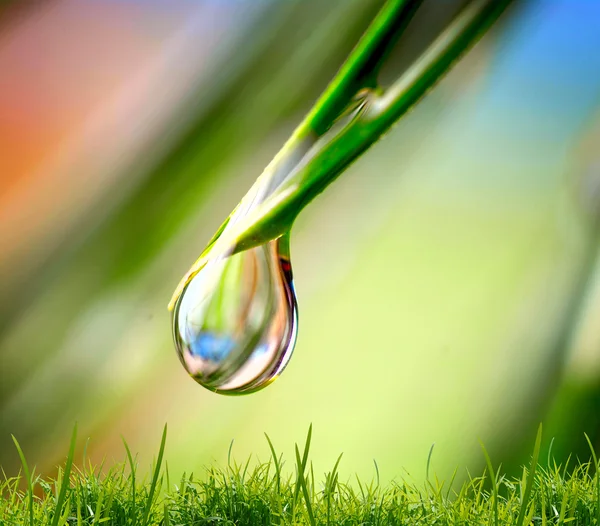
84, 456
307, 447
302, 463
133, 515
490, 467
330, 485
544, 519
79, 517
155, 476
597, 476
167, 475
65, 479
300, 468
99, 503
66, 513
429, 462
28, 478
530, 478
376, 471
276, 462
548, 464
302, 483
334, 472
563, 509
229, 453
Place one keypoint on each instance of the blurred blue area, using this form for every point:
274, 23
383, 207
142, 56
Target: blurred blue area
548, 68
212, 347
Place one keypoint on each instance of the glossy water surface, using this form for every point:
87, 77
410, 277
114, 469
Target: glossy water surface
235, 322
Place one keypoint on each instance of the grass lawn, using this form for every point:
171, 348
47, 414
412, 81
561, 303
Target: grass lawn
238, 494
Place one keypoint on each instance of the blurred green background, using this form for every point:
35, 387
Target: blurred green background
447, 284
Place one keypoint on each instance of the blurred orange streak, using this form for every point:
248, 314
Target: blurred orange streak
73, 77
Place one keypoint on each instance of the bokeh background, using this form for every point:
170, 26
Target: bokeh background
447, 283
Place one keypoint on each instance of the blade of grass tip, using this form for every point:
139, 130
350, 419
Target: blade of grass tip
155, 476
550, 453
302, 483
132, 515
490, 467
245, 471
337, 463
84, 457
276, 462
331, 484
565, 468
312, 482
302, 464
28, 477
530, 478
597, 476
65, 479
307, 447
182, 485
451, 483
229, 454
167, 476
376, 471
429, 462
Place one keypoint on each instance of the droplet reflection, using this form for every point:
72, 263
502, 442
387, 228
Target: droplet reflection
235, 322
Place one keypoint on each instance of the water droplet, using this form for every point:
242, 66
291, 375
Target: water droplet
235, 321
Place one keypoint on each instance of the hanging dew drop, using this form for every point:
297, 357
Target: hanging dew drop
235, 322
234, 314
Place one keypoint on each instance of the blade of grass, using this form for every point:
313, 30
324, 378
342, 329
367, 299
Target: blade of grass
65, 479
155, 476
302, 483
28, 479
276, 462
79, 517
301, 467
451, 483
429, 462
550, 452
544, 519
66, 512
330, 484
84, 456
132, 515
596, 475
229, 453
99, 502
530, 478
490, 467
